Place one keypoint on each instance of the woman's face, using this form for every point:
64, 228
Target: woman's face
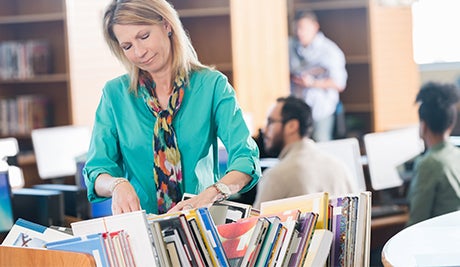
146, 46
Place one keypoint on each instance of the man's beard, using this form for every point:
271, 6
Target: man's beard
277, 146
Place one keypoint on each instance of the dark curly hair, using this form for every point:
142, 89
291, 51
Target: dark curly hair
438, 105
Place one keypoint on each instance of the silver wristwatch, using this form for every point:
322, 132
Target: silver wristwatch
223, 190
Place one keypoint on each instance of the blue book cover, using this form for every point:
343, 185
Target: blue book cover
92, 244
211, 229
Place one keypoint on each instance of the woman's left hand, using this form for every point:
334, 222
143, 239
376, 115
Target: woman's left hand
204, 199
235, 180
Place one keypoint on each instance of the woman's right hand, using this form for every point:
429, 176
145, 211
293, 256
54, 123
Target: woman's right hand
124, 198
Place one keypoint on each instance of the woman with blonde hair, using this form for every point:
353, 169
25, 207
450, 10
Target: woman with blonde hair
157, 127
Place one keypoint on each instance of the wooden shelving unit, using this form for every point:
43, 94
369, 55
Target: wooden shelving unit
377, 42
23, 20
81, 62
247, 41
208, 25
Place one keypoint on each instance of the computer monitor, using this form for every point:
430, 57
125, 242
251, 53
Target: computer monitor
347, 150
389, 149
60, 152
8, 148
455, 140
57, 148
6, 208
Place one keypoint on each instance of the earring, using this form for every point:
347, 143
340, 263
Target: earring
169, 34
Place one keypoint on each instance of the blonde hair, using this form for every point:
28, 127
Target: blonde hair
150, 12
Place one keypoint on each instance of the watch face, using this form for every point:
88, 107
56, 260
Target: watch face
223, 188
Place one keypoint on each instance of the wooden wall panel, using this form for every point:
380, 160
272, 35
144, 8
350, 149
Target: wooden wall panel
395, 75
91, 62
260, 55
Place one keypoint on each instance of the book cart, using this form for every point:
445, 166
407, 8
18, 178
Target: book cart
16, 256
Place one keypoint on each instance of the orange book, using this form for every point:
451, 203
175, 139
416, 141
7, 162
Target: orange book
235, 238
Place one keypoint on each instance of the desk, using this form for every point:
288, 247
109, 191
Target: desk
434, 242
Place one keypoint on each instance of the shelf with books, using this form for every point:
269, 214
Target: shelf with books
35, 32
24, 7
41, 78
204, 12
331, 4
197, 16
33, 63
247, 55
31, 18
30, 49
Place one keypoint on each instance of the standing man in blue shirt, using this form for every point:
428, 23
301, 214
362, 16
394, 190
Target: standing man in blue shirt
318, 73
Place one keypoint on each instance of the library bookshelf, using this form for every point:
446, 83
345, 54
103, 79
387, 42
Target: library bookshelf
21, 22
247, 41
44, 20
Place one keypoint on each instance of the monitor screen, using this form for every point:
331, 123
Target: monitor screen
57, 148
387, 150
6, 210
455, 140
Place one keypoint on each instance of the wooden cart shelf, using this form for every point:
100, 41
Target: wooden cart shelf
17, 256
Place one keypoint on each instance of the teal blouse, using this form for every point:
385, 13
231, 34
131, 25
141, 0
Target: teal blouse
435, 189
121, 143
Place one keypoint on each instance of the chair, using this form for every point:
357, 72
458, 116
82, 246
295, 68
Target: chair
9, 148
348, 151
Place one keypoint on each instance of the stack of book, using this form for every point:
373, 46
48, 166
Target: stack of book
19, 115
24, 59
310, 230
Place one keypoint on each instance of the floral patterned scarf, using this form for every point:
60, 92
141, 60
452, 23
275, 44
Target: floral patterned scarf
166, 155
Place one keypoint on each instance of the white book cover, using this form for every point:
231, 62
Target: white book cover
133, 223
320, 246
172, 235
226, 211
29, 234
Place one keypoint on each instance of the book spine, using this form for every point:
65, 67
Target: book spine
214, 236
